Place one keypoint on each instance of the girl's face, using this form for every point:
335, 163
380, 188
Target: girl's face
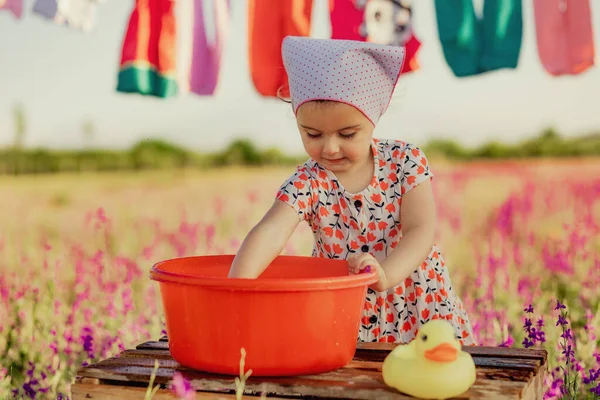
336, 135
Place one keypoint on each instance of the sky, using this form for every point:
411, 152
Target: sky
63, 77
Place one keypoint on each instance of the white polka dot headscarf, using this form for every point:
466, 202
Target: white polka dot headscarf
361, 74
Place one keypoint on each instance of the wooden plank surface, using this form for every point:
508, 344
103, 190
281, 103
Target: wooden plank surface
506, 352
110, 392
502, 373
492, 357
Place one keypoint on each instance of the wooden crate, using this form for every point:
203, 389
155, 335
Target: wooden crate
502, 373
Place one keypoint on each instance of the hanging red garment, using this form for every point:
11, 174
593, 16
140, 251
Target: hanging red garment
377, 21
149, 50
412, 48
346, 18
565, 40
269, 22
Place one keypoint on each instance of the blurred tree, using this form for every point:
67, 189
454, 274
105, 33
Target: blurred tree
446, 147
549, 134
19, 140
160, 154
156, 153
493, 149
20, 126
86, 159
547, 143
273, 156
89, 131
240, 152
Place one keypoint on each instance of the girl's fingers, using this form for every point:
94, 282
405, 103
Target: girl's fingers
352, 267
358, 264
367, 262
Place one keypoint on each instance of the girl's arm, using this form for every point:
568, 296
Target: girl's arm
418, 218
265, 241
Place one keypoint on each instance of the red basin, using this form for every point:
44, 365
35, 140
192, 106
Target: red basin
301, 316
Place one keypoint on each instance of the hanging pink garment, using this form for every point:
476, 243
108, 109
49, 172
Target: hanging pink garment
14, 6
565, 40
207, 51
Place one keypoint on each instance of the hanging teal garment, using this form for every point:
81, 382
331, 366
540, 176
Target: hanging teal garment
473, 45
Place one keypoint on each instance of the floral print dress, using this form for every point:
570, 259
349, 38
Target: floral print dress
344, 223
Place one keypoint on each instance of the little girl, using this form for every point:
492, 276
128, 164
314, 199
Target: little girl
368, 201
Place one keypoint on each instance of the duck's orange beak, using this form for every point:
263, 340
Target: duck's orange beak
445, 352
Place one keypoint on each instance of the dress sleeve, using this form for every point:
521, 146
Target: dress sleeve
297, 192
415, 167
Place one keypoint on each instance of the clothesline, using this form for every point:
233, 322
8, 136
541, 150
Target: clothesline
168, 49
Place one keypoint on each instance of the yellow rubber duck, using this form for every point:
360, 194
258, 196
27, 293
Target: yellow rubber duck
432, 366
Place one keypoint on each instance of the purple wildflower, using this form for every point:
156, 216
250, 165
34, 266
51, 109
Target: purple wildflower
540, 323
29, 388
540, 336
561, 321
527, 343
534, 334
30, 370
556, 388
594, 374
182, 388
87, 341
508, 342
567, 334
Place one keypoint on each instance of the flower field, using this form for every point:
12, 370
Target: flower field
522, 241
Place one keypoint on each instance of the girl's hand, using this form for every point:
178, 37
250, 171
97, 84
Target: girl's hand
364, 262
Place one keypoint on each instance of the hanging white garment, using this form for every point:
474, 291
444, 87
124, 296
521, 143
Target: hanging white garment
76, 14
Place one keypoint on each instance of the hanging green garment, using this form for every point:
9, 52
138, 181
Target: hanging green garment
473, 46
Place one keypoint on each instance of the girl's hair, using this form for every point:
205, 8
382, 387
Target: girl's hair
283, 93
